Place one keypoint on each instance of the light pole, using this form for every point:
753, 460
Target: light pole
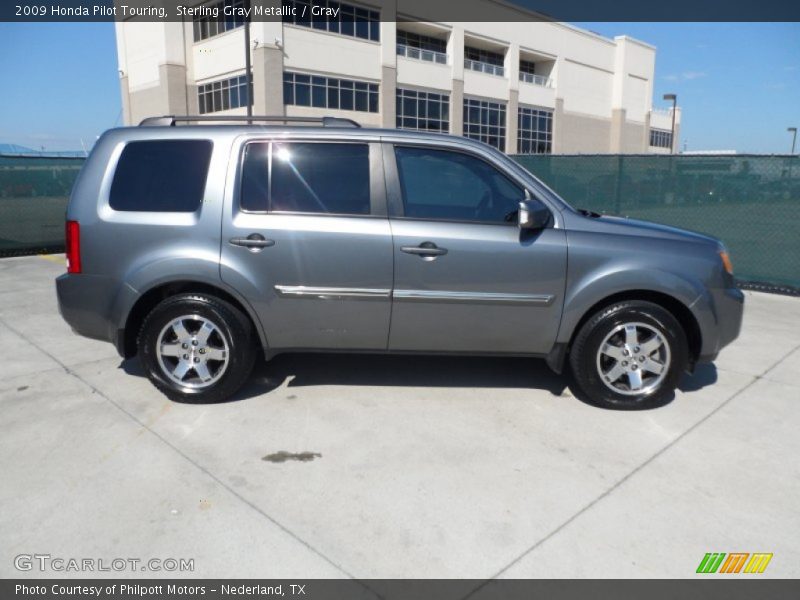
674, 98
248, 69
793, 131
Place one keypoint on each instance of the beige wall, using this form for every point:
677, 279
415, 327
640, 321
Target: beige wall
574, 133
600, 92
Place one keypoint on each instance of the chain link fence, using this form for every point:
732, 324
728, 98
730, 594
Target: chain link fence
752, 203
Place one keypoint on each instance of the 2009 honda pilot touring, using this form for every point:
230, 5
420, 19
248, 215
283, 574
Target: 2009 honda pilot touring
196, 246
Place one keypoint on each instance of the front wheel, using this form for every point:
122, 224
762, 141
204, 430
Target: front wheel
629, 355
197, 348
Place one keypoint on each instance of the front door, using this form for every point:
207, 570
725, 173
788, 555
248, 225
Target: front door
303, 241
467, 279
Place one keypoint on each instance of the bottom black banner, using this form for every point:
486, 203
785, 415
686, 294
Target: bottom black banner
403, 589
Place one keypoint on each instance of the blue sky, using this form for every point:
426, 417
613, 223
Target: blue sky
738, 83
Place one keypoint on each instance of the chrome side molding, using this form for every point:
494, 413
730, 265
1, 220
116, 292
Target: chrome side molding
472, 297
329, 293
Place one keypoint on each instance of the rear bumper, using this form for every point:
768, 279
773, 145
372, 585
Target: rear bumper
728, 310
84, 302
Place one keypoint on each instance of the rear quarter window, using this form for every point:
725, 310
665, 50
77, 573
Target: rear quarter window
161, 176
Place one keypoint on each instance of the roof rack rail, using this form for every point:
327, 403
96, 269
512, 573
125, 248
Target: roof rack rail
171, 120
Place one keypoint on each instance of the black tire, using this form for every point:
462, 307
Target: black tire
587, 362
233, 329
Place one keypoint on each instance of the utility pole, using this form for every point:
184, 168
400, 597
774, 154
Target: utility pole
793, 131
247, 65
674, 98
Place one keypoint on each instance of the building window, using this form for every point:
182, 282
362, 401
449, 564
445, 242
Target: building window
534, 131
223, 95
426, 111
527, 73
421, 47
485, 121
350, 20
526, 66
206, 26
660, 138
485, 61
329, 92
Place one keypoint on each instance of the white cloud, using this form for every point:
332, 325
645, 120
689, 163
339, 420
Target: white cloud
693, 75
685, 76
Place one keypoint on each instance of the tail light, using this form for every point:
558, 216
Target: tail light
73, 231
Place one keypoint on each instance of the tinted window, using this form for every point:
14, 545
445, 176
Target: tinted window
438, 184
255, 178
161, 176
308, 178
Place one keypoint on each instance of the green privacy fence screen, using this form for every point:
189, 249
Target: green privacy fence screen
33, 198
751, 202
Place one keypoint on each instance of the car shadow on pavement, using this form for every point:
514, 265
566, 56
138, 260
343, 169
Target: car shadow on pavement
310, 369
313, 369
703, 376
405, 371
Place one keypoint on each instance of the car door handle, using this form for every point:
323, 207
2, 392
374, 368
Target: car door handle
254, 241
425, 249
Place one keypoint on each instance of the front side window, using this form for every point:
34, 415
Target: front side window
452, 186
306, 178
161, 176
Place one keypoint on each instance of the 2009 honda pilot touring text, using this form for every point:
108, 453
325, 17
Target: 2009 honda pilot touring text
196, 246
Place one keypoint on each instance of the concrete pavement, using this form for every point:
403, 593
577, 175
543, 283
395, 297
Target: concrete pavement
383, 467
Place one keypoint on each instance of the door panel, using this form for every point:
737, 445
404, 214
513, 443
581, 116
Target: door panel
316, 279
325, 283
467, 278
497, 289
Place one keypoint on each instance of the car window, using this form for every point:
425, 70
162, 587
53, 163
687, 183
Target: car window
328, 178
446, 185
161, 176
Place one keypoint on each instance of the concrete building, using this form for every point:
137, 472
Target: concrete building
520, 85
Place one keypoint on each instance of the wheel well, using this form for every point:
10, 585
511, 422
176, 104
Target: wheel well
677, 308
152, 297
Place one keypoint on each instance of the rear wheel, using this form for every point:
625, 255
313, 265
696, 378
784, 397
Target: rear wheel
629, 355
197, 348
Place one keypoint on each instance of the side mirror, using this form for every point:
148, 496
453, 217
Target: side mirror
532, 214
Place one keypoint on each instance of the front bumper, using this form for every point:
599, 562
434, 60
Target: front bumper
728, 310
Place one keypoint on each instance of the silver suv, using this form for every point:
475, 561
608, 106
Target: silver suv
196, 246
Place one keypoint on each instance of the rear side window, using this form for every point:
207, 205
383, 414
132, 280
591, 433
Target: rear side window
306, 178
161, 176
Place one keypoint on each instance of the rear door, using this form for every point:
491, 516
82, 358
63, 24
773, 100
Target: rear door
306, 239
467, 279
